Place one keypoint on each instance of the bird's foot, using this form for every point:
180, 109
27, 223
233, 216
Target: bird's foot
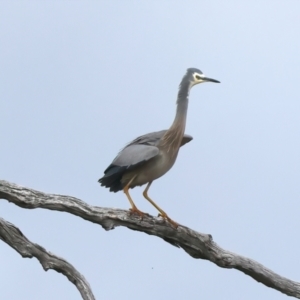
137, 212
165, 216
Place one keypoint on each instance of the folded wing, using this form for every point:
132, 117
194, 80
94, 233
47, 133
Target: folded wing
136, 153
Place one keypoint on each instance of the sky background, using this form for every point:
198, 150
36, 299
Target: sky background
80, 79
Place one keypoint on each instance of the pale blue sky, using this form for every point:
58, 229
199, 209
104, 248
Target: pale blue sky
80, 79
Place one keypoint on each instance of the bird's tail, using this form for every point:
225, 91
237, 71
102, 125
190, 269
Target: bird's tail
112, 178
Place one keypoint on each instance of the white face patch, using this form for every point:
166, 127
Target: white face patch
198, 77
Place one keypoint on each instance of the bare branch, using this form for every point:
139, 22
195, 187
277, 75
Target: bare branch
12, 236
197, 245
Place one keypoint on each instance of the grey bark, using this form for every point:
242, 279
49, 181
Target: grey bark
196, 244
12, 236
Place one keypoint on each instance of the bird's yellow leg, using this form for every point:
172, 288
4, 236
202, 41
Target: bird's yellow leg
133, 208
161, 212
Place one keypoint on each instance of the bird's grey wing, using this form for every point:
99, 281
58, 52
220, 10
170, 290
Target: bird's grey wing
186, 139
153, 138
135, 154
150, 139
128, 158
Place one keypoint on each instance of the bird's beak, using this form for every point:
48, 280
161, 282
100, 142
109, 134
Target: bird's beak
210, 80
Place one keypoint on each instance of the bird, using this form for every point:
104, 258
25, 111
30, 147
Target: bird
150, 156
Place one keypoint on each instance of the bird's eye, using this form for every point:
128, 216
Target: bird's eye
197, 77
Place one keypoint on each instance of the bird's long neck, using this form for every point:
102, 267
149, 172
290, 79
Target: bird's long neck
173, 137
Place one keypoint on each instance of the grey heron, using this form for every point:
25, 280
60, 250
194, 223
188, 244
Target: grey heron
150, 156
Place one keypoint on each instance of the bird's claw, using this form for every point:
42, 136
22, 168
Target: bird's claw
166, 217
137, 212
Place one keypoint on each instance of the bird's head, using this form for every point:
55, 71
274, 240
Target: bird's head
192, 77
195, 76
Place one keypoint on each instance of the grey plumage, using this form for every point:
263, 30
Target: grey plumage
150, 156
137, 152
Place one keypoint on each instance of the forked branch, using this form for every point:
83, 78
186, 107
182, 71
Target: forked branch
197, 245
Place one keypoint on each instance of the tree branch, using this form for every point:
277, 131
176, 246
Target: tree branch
12, 236
197, 245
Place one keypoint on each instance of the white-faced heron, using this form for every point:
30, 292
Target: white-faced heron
150, 156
